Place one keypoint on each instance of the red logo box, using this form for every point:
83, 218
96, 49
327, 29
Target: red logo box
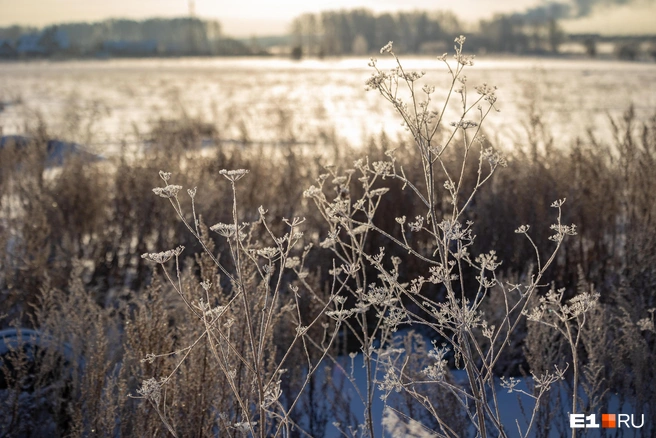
608, 421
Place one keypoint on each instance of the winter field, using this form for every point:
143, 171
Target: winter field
262, 247
267, 100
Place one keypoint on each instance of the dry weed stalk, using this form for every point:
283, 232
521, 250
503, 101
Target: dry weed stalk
239, 322
442, 301
251, 305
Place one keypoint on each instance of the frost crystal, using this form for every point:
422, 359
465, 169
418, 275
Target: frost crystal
163, 257
233, 175
169, 191
151, 390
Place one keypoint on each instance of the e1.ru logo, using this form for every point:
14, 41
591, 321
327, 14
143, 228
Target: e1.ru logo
608, 421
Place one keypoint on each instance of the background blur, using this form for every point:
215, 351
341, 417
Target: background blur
97, 97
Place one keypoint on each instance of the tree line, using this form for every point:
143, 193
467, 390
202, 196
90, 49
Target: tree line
360, 31
174, 36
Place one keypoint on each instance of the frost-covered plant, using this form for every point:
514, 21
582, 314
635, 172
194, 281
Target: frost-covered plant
442, 300
239, 313
568, 319
259, 289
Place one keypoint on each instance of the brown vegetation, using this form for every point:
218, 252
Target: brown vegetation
72, 240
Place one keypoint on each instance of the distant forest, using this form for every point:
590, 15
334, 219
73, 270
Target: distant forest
360, 31
536, 31
331, 33
120, 37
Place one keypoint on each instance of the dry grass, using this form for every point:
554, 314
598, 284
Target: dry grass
71, 267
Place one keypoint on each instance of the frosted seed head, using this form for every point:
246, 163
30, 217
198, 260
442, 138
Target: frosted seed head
164, 256
233, 175
151, 389
165, 175
169, 191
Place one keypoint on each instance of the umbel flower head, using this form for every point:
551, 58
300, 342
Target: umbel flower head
387, 48
151, 390
164, 256
233, 175
170, 191
226, 230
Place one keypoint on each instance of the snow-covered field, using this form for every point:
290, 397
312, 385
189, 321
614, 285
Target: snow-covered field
102, 103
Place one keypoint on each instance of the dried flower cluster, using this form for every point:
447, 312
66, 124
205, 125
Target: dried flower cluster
371, 296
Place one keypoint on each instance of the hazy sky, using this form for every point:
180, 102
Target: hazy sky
263, 17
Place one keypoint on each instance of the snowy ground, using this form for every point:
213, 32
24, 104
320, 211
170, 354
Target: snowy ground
514, 407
